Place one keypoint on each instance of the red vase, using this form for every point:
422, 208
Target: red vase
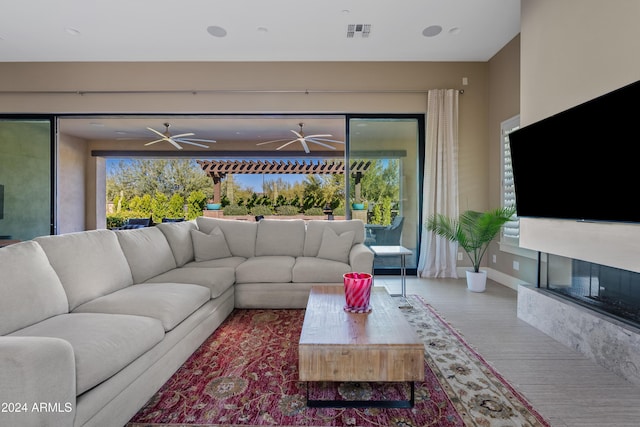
357, 292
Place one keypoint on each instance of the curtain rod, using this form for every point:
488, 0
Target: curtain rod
211, 91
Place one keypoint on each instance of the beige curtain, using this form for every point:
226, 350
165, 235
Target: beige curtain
438, 255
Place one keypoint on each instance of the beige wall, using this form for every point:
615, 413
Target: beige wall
71, 185
573, 51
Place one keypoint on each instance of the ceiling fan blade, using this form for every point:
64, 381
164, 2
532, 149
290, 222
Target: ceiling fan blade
175, 144
157, 140
318, 136
321, 143
183, 134
326, 140
284, 145
184, 141
194, 139
275, 140
304, 145
299, 135
156, 132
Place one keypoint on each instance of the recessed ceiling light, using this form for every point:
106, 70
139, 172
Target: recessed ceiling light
72, 31
216, 31
455, 30
432, 31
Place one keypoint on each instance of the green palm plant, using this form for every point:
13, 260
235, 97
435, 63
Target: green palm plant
472, 230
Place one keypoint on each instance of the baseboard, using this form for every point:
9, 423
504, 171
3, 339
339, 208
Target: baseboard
498, 277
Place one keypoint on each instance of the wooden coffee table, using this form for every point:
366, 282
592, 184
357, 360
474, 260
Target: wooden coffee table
379, 346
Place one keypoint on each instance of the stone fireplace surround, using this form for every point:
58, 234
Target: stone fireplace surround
612, 344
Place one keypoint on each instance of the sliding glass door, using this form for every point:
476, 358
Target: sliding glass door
26, 179
385, 191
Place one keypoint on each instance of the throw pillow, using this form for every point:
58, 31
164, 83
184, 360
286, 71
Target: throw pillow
334, 247
210, 246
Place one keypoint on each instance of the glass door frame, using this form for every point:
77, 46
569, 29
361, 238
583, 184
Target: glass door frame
421, 129
53, 151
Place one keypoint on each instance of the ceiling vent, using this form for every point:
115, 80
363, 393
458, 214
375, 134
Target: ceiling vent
361, 30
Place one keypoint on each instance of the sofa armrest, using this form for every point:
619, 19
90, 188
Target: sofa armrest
37, 382
361, 258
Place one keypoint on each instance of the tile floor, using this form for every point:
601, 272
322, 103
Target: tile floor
566, 387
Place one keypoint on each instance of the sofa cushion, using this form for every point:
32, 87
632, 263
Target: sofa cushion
103, 344
315, 230
29, 287
313, 269
265, 269
336, 247
232, 262
89, 263
280, 237
147, 251
178, 235
170, 303
240, 235
217, 280
209, 246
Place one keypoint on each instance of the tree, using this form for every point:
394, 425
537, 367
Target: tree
130, 178
381, 180
176, 206
160, 206
195, 204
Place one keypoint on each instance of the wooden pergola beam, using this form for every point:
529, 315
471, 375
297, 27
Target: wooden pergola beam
218, 169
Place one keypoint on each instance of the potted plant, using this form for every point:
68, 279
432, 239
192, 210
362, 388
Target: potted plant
213, 206
473, 231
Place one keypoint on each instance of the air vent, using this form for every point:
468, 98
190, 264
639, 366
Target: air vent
361, 30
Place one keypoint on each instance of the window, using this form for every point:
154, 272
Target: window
511, 230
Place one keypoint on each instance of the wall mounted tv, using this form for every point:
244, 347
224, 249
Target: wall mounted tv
583, 163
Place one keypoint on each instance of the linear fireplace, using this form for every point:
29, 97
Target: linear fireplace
607, 290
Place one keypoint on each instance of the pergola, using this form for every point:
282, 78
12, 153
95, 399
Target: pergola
218, 170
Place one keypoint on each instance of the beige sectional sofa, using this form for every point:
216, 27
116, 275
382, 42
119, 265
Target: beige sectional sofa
93, 323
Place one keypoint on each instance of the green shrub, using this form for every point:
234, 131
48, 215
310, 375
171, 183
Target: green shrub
287, 210
235, 210
119, 219
314, 212
339, 211
114, 221
195, 204
261, 210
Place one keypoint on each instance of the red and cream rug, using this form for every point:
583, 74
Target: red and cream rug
246, 374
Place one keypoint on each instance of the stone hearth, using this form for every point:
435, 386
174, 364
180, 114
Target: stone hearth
612, 344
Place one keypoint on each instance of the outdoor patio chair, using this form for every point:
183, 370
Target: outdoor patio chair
385, 235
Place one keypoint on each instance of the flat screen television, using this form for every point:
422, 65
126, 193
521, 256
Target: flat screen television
583, 163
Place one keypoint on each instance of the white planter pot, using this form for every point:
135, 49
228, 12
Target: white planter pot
476, 282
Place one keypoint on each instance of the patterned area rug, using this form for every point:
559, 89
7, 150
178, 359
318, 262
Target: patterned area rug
246, 374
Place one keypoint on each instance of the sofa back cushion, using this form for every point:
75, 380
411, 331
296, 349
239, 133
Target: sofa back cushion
90, 264
30, 290
315, 232
210, 246
277, 237
240, 235
178, 234
147, 251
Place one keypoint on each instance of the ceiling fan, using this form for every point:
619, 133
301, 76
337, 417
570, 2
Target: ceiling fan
304, 140
175, 139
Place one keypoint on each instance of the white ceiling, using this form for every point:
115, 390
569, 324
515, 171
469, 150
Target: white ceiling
256, 30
